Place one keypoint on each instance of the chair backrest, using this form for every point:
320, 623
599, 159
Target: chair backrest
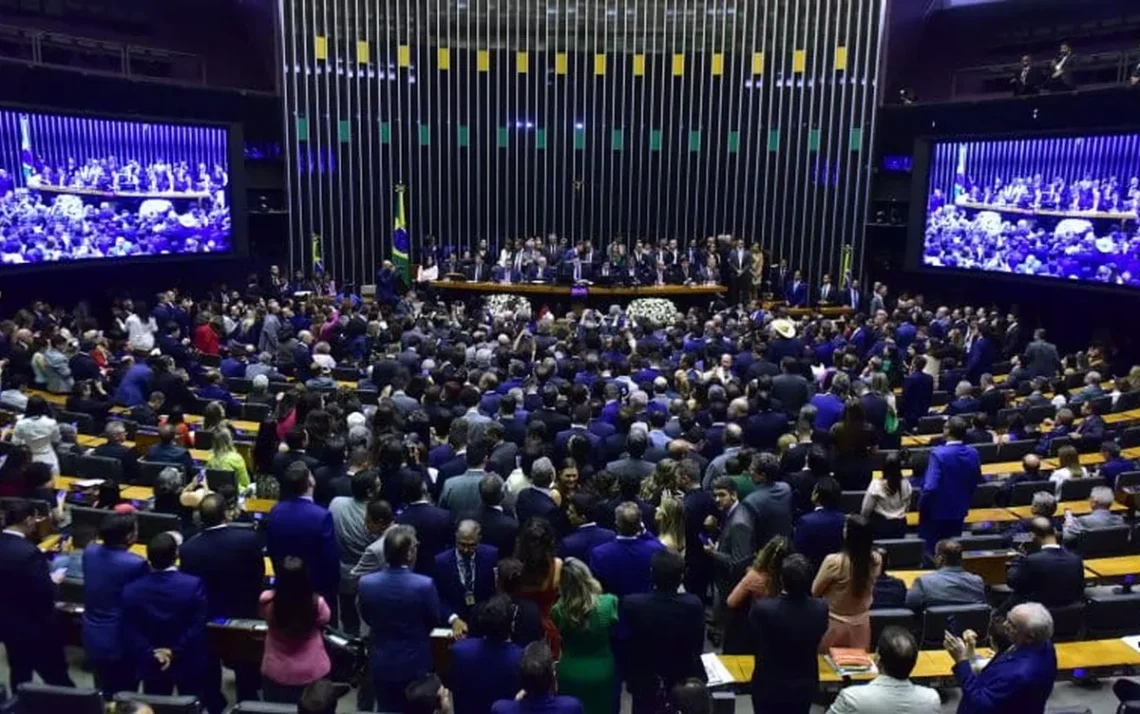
1005, 416
987, 452
931, 424
967, 617
1068, 621
1104, 402
162, 705
71, 590
50, 699
903, 553
368, 396
149, 470
203, 439
1015, 450
151, 524
981, 542
985, 495
255, 412
104, 467
215, 478
1128, 479
1038, 414
346, 374
1056, 443
1022, 493
851, 501
263, 708
1109, 614
939, 398
84, 423
1078, 489
239, 385
42, 508
1130, 437
92, 517
888, 617
1105, 542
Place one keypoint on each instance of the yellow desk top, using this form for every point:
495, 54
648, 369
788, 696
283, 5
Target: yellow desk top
89, 441
1114, 567
1079, 508
143, 493
52, 541
908, 576
974, 516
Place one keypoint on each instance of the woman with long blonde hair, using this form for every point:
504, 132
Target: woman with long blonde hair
585, 618
763, 576
670, 517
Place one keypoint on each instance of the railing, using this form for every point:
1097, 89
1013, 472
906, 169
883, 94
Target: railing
85, 54
1101, 69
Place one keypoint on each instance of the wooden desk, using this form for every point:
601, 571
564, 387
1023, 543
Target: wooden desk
145, 493
1116, 567
908, 576
975, 516
88, 441
592, 290
247, 427
1079, 508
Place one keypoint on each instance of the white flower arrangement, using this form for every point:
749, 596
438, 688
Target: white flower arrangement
657, 310
504, 305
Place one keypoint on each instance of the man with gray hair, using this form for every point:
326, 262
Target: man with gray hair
465, 575
636, 444
733, 442
537, 501
1017, 679
262, 367
115, 449
891, 692
623, 565
1101, 516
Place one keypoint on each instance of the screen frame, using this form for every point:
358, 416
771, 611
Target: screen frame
920, 187
239, 215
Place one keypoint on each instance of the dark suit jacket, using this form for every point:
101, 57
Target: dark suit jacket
555, 421
499, 530
1041, 359
622, 565
483, 672
562, 438
582, 541
667, 635
170, 454
792, 392
282, 461
1053, 577
401, 607
797, 294
166, 610
106, 571
230, 563
502, 460
991, 402
515, 430
771, 506
917, 394
1017, 680
532, 503
299, 527
734, 549
27, 600
125, 456
434, 531
820, 533
452, 594
786, 632
545, 704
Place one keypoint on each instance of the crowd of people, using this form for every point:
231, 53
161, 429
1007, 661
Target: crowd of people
109, 174
555, 490
1075, 196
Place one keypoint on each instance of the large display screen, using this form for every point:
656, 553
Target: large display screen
83, 188
1061, 208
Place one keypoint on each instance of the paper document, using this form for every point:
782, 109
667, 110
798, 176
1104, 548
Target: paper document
715, 670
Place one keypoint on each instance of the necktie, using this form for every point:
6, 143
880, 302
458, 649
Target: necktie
467, 570
577, 271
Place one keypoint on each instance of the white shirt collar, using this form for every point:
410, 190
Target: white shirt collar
18, 534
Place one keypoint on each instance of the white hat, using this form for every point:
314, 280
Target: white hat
784, 328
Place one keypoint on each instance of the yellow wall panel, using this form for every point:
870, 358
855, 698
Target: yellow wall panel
599, 64
799, 61
678, 64
561, 63
757, 63
363, 52
483, 61
717, 64
443, 58
840, 58
404, 56
522, 62
321, 47
639, 65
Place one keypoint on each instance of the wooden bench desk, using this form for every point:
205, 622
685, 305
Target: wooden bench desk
1079, 508
1116, 567
89, 441
145, 493
975, 516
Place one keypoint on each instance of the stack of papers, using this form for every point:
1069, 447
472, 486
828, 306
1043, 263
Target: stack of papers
850, 662
715, 670
1132, 641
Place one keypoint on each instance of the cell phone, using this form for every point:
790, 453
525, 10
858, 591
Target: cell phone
952, 626
706, 539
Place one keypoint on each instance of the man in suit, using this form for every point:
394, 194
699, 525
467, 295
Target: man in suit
28, 626
731, 554
587, 534
1050, 574
478, 272
460, 494
499, 527
666, 632
1041, 358
537, 686
228, 559
114, 448
164, 625
820, 532
991, 400
299, 527
1019, 678
853, 296
401, 607
107, 569
622, 565
785, 634
536, 501
502, 454
917, 393
878, 300
485, 668
296, 439
1061, 70
465, 575
548, 414
733, 443
432, 524
949, 584
514, 427
1101, 500
827, 292
1028, 79
636, 445
740, 272
891, 692
1114, 463
790, 388
770, 503
952, 474
964, 401
779, 276
797, 291
579, 426
167, 452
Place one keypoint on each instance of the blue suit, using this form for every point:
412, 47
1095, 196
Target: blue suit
952, 474
797, 294
132, 390
29, 627
402, 608
482, 672
434, 531
917, 395
1017, 681
583, 540
452, 593
828, 410
562, 438
820, 533
106, 572
622, 565
301, 528
545, 704
167, 610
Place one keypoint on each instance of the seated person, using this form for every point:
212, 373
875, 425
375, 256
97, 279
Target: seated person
1047, 573
539, 270
263, 366
949, 584
685, 273
577, 270
88, 398
889, 591
478, 271
259, 391
116, 434
16, 395
322, 378
215, 390
1044, 505
964, 401
166, 451
979, 433
147, 414
1101, 500
1114, 463
1030, 471
1062, 426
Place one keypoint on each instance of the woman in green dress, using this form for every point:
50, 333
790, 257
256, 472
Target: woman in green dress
586, 617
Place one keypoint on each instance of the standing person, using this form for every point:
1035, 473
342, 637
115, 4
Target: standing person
229, 560
485, 668
763, 576
28, 625
586, 617
141, 328
108, 567
164, 625
622, 564
787, 631
740, 270
852, 441
541, 574
465, 575
296, 526
37, 430
1041, 357
537, 686
952, 474
845, 580
771, 501
891, 692
666, 634
402, 608
730, 555
353, 538
295, 653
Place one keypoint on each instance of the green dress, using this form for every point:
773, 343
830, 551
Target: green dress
586, 670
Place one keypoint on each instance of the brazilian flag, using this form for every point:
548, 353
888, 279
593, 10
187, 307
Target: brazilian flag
401, 246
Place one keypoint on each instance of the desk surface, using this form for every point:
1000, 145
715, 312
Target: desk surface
1114, 567
1079, 508
50, 543
145, 493
975, 516
593, 290
89, 441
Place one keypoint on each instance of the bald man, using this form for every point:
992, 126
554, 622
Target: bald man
465, 575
